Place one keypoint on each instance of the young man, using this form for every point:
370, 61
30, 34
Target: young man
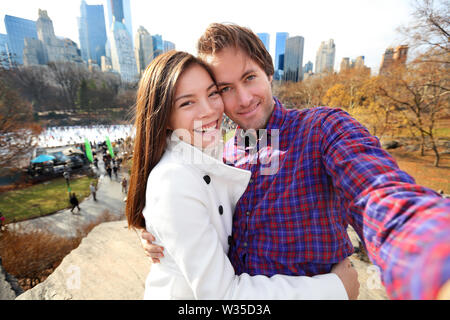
329, 172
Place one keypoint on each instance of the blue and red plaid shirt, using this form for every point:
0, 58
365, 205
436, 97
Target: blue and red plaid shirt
293, 218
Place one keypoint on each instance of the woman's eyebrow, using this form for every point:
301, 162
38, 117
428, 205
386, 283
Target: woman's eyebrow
183, 96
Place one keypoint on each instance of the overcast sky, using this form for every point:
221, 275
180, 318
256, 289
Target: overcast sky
358, 27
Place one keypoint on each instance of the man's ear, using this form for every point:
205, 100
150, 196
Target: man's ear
270, 79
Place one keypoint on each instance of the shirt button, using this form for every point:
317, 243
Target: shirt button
251, 181
247, 213
245, 244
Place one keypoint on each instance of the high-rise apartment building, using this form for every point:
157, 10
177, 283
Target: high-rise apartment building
293, 59
168, 45
307, 69
280, 47
325, 57
92, 32
143, 48
49, 48
17, 30
265, 38
345, 64
393, 57
358, 63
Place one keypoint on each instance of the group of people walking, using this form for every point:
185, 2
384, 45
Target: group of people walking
111, 165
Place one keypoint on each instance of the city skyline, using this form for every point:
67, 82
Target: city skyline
355, 25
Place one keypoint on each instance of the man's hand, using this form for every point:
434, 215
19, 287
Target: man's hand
349, 277
151, 250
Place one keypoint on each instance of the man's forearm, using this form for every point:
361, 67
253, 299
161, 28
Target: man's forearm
407, 234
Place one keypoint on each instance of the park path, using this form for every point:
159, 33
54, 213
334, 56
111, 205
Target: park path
63, 223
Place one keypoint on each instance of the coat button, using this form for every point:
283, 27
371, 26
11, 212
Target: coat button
221, 210
207, 179
230, 240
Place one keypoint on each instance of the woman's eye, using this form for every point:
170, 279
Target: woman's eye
184, 104
214, 93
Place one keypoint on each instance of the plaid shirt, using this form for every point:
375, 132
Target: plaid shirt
330, 173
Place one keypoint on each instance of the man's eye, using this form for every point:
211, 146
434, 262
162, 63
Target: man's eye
225, 89
251, 77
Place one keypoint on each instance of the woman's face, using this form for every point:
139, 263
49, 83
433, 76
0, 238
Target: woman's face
198, 108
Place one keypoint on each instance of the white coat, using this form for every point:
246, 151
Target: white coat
190, 201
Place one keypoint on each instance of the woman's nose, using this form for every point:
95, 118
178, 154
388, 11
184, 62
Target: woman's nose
206, 108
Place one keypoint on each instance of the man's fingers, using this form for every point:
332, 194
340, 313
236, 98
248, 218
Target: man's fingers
155, 260
147, 236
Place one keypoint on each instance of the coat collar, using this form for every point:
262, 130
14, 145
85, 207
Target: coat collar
209, 161
182, 152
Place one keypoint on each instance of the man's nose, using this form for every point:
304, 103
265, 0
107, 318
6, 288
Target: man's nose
244, 96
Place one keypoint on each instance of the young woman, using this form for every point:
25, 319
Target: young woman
181, 191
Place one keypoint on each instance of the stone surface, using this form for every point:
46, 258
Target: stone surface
371, 287
109, 264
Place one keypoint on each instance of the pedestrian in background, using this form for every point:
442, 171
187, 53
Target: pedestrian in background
93, 191
124, 185
74, 202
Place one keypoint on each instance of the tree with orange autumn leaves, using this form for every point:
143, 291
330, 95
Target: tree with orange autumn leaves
411, 97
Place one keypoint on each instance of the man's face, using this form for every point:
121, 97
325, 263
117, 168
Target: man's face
245, 88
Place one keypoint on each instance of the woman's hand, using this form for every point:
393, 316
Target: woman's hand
151, 250
349, 277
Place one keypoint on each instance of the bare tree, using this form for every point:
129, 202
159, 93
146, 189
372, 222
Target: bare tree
17, 132
68, 76
32, 82
430, 29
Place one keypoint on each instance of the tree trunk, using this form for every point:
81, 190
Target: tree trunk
436, 153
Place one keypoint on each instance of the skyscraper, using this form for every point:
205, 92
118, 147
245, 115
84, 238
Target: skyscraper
17, 30
120, 41
158, 45
325, 56
4, 51
307, 69
280, 47
393, 57
293, 59
143, 48
92, 32
265, 38
168, 45
49, 48
122, 10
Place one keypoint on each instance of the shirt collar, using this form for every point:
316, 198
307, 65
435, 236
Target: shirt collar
277, 118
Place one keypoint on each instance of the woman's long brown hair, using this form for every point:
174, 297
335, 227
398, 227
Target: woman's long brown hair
153, 108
